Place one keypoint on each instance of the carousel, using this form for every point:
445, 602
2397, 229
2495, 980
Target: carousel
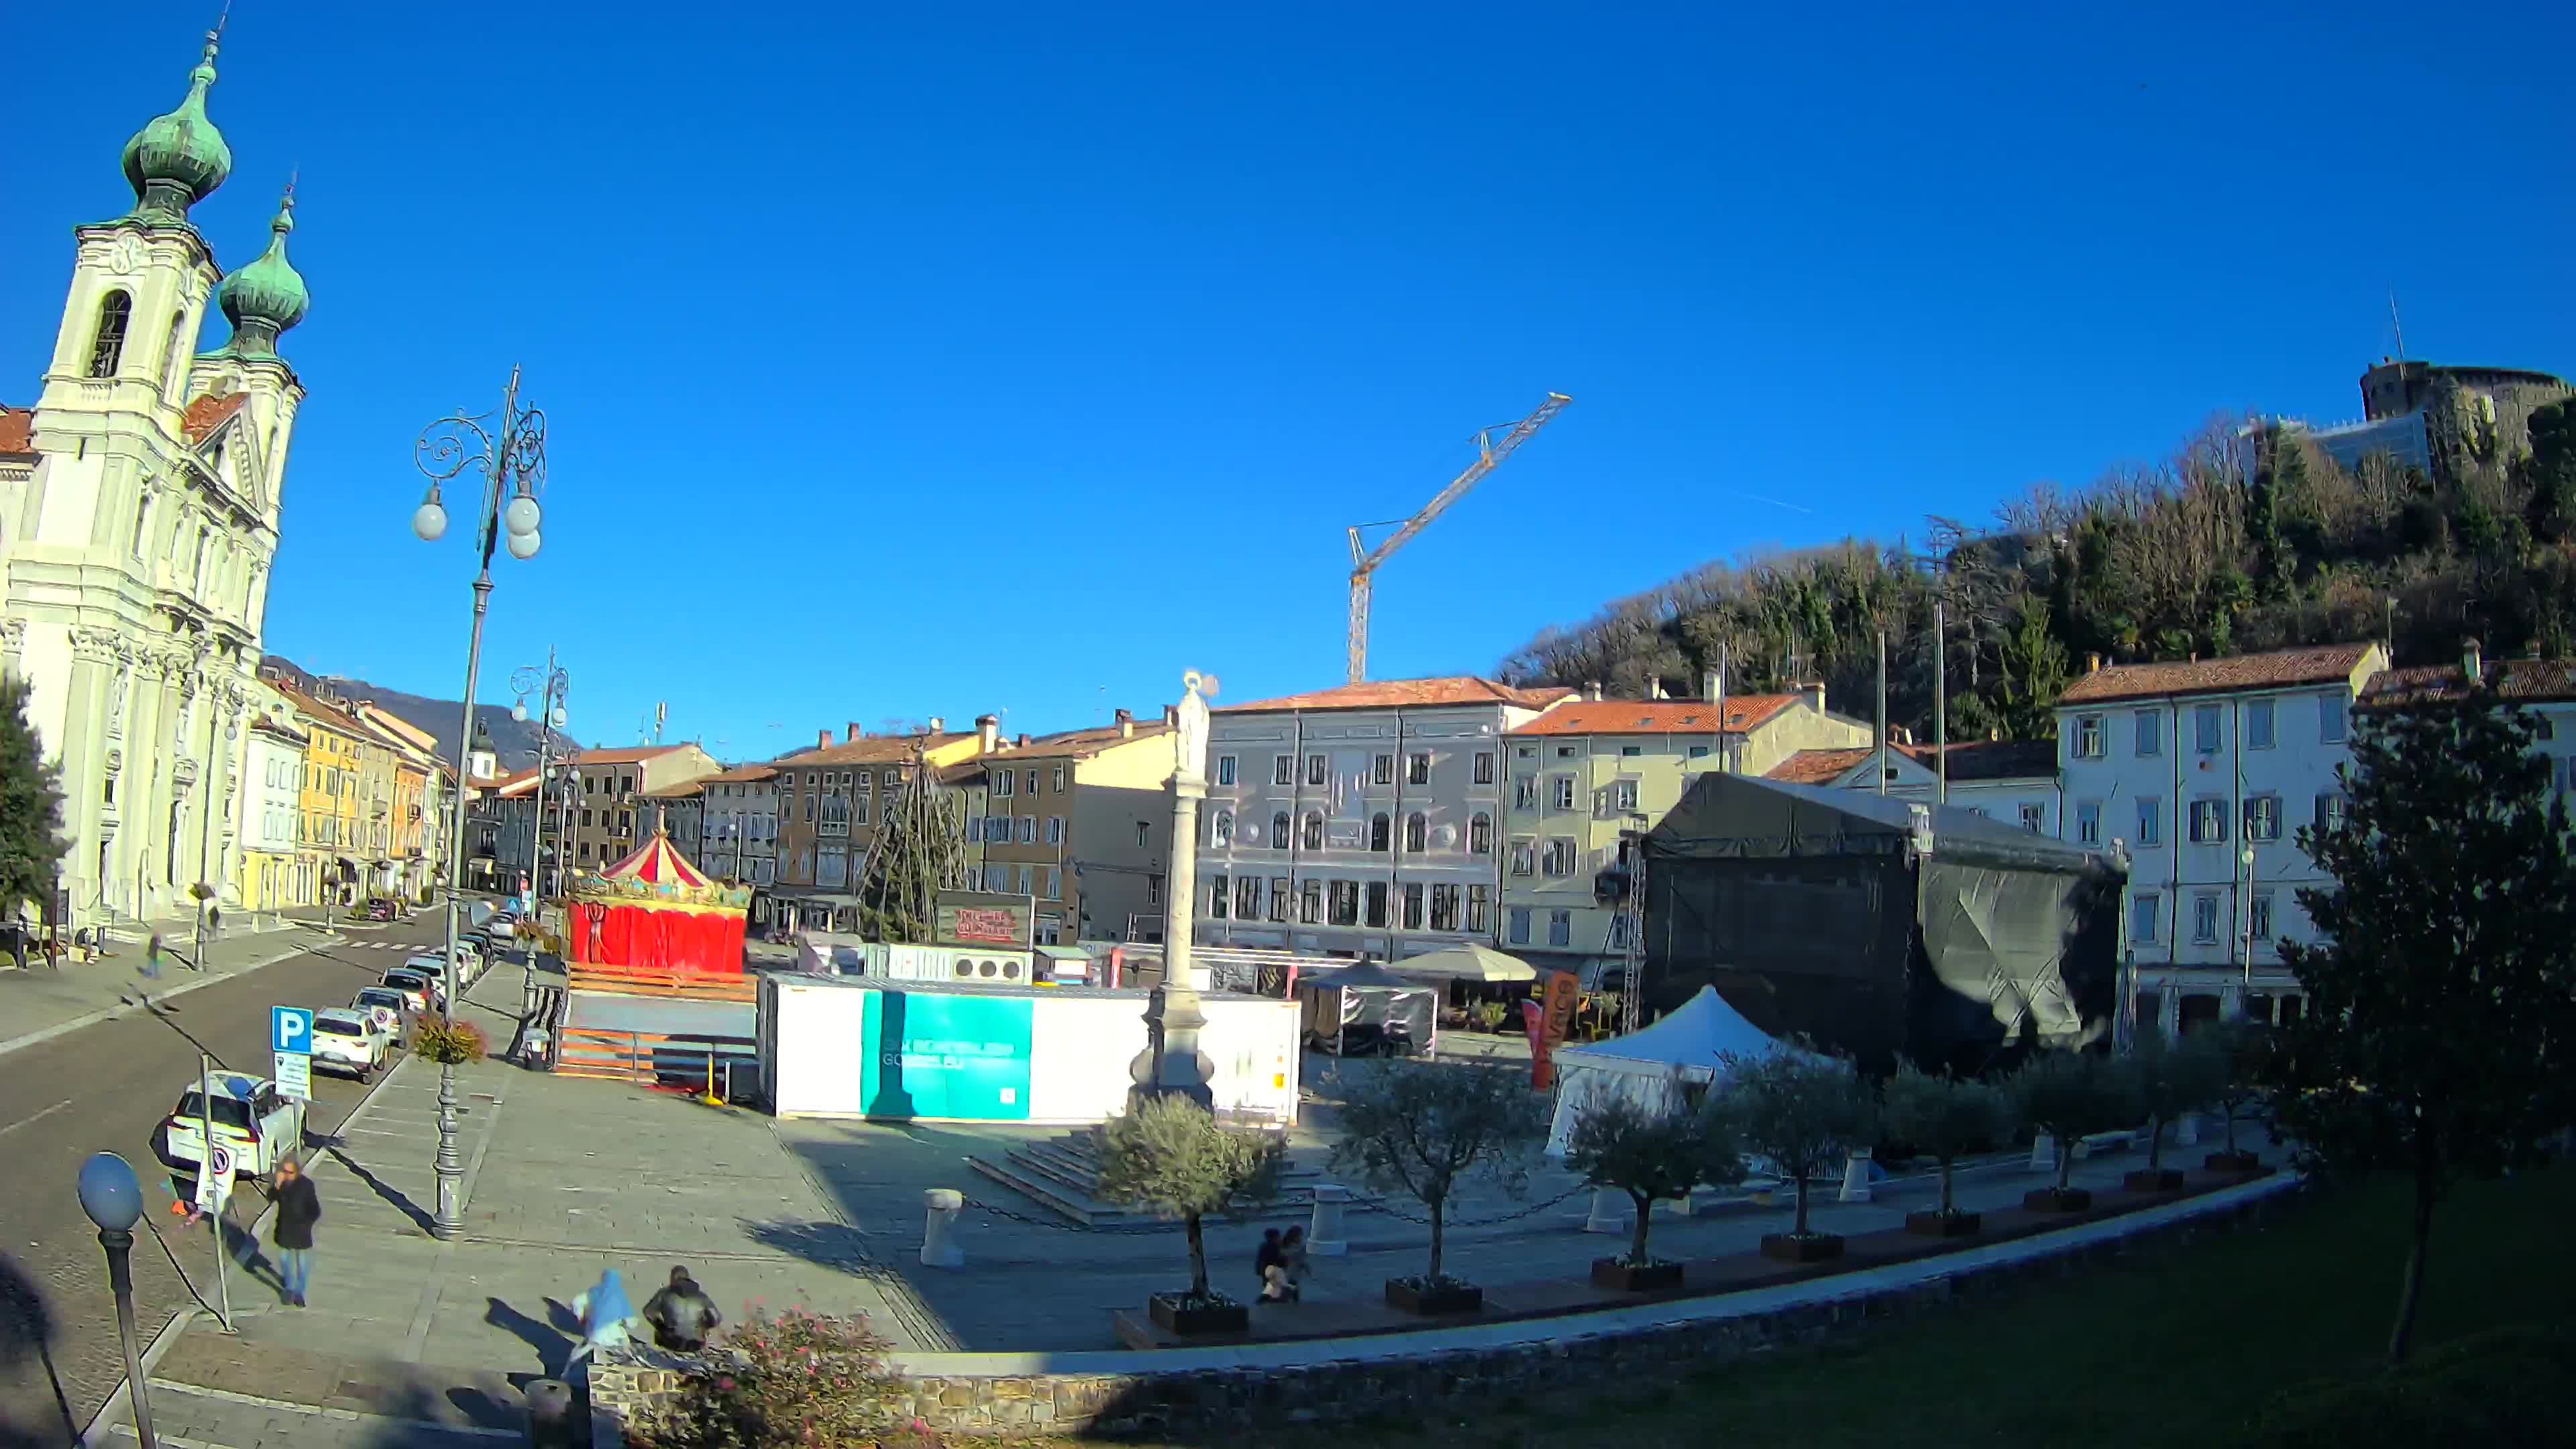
654, 911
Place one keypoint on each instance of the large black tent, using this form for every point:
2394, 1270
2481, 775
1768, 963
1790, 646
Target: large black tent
1877, 926
1363, 1007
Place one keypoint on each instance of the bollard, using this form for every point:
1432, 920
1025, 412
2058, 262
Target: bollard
2043, 1153
2187, 1130
1324, 1234
549, 1414
939, 1228
1856, 1177
1609, 1211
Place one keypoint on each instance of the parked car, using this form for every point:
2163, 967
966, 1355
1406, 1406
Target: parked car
349, 1041
387, 1006
256, 1121
419, 992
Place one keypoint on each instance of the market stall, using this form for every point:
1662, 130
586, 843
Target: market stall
1683, 1050
1364, 1009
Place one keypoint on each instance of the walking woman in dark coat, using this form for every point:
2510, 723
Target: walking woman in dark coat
299, 1207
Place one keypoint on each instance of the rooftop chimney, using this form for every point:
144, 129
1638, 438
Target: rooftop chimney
1654, 687
855, 732
1023, 741
2471, 664
2092, 663
1814, 690
938, 724
1592, 690
823, 738
988, 733
1710, 689
1172, 715
1126, 724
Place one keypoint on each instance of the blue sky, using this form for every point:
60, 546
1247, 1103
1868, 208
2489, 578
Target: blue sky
937, 360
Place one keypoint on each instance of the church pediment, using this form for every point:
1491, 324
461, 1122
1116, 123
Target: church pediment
226, 445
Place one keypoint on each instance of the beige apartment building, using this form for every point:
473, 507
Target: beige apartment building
612, 810
1081, 822
1591, 773
830, 800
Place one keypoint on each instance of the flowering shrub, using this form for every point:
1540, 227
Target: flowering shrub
798, 1378
433, 1040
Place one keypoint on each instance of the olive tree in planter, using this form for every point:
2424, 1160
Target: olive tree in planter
2172, 1077
1805, 1114
1944, 1118
1422, 1128
2237, 1056
2070, 1096
1651, 1152
1169, 1155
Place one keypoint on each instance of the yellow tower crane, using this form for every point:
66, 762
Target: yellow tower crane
1490, 450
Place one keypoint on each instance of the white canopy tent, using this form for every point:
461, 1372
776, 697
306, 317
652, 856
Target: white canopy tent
1683, 1046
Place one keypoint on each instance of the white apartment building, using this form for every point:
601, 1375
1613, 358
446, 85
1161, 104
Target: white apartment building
2014, 781
1360, 820
269, 807
738, 825
2203, 771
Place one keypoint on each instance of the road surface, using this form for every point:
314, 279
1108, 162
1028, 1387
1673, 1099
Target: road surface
106, 1087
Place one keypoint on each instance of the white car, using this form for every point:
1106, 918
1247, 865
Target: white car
386, 1005
349, 1041
252, 1118
418, 986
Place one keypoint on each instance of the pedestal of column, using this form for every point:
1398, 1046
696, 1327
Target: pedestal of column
1856, 1177
939, 1248
1324, 1233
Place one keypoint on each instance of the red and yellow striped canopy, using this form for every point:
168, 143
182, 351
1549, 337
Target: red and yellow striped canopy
657, 877
658, 863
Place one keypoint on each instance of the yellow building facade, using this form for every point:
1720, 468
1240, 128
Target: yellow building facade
331, 833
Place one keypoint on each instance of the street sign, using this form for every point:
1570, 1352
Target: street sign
215, 1179
295, 1075
290, 1029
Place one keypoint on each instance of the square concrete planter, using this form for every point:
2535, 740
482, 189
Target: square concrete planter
1790, 1248
2232, 1162
1619, 1277
1944, 1225
2153, 1179
1412, 1295
2056, 1200
1176, 1313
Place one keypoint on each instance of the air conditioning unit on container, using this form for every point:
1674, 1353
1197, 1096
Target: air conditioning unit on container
958, 964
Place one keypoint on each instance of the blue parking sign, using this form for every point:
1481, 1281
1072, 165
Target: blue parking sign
290, 1029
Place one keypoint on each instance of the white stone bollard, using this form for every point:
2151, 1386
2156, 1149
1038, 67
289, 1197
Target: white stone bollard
939, 1228
2187, 1130
1609, 1211
1324, 1235
1856, 1177
2043, 1153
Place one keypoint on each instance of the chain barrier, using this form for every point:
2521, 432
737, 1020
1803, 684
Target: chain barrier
1357, 1200
1424, 1220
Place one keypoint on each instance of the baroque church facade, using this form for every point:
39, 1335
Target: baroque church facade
139, 510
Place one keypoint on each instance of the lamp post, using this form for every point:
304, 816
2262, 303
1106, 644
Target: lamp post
549, 685
113, 1197
508, 450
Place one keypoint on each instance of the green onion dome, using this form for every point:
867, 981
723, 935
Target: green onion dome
177, 160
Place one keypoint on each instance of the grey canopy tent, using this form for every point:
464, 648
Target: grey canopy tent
1364, 1008
1878, 926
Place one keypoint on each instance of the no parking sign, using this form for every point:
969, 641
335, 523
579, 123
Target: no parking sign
215, 1178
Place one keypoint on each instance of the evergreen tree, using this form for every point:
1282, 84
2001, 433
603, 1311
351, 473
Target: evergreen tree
919, 851
2035, 672
31, 807
2441, 1023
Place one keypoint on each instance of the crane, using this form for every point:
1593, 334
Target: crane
1364, 561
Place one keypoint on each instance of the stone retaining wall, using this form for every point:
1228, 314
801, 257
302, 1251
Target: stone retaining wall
631, 1386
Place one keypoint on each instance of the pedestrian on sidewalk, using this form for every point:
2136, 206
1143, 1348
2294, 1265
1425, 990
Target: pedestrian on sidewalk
603, 1312
1269, 1264
149, 968
681, 1314
1292, 1263
299, 1207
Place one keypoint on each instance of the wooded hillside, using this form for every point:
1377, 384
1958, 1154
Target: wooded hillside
2245, 540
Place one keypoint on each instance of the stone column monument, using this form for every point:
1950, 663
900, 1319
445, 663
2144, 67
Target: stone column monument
1172, 1063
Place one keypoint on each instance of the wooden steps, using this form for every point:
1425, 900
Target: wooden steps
667, 985
1062, 1174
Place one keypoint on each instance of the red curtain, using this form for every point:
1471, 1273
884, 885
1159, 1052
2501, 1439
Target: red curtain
707, 942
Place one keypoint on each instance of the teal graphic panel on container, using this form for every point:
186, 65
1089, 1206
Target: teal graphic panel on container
932, 1054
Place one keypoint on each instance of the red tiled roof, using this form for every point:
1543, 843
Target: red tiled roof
17, 429
208, 412
680, 791
627, 755
870, 750
2315, 665
2519, 679
1083, 743
1817, 767
741, 774
1409, 693
1656, 717
516, 782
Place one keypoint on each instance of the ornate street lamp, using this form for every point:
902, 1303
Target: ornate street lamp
508, 450
113, 1197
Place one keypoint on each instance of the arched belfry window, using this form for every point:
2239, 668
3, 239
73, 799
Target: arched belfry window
107, 349
173, 360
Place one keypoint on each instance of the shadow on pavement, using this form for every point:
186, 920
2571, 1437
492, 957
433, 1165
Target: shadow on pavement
552, 1344
382, 1189
27, 1335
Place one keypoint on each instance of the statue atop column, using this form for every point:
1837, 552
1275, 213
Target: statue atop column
1172, 1064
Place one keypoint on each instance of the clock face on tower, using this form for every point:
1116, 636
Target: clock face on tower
126, 257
